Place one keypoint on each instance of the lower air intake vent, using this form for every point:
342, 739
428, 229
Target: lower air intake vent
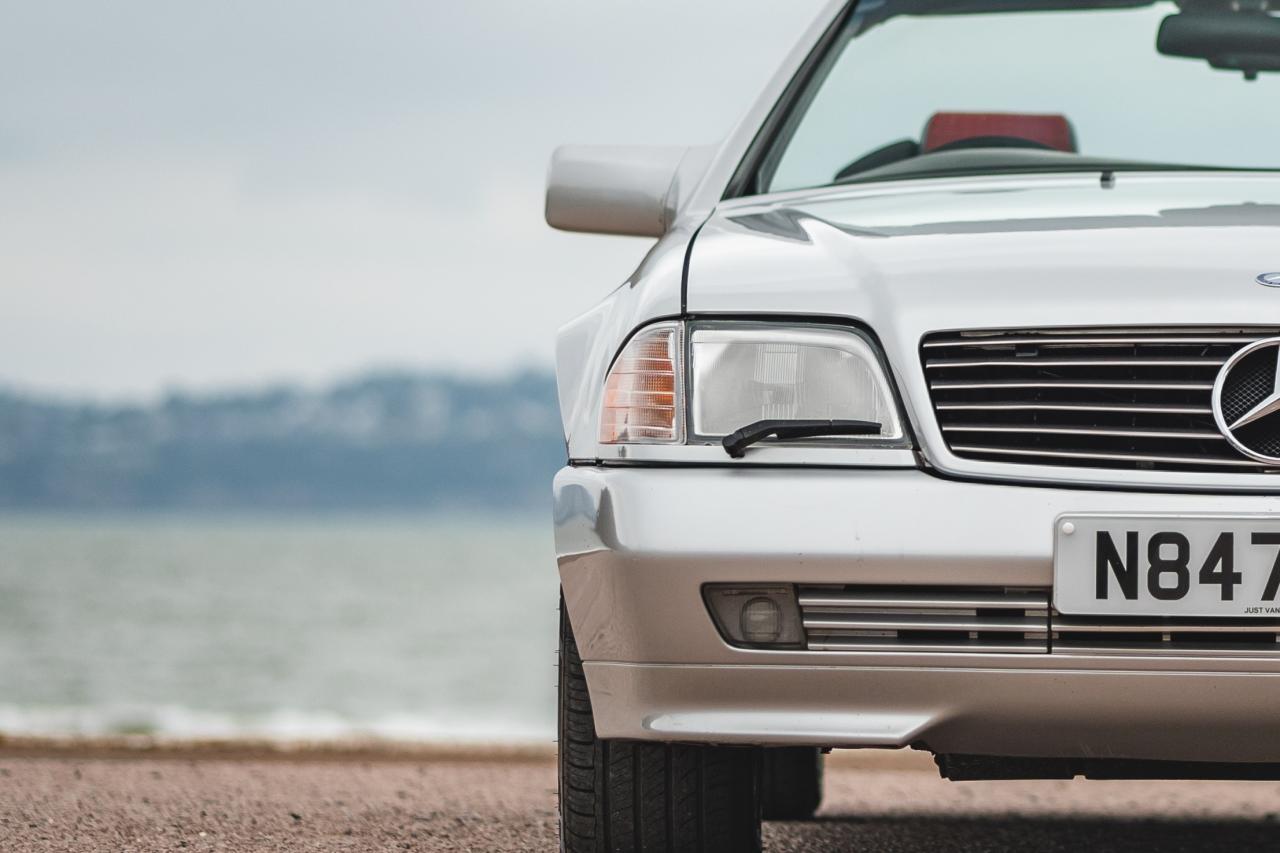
1098, 635
1005, 620
989, 620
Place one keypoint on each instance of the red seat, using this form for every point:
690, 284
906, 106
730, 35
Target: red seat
1053, 131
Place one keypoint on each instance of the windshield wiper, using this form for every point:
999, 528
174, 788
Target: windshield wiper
736, 444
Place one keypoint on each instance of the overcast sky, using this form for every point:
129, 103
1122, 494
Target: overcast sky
201, 195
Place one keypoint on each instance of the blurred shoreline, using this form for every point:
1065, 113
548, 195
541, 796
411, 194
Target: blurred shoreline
353, 751
390, 441
140, 747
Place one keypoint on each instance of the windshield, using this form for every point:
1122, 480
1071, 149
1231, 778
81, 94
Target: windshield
914, 90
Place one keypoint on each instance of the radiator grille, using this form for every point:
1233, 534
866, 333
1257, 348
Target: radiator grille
1004, 620
1116, 398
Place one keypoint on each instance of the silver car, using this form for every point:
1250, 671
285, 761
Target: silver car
943, 415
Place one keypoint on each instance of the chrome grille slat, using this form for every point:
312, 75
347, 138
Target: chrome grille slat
1068, 384
1189, 461
919, 622
941, 620
977, 647
925, 619
1169, 650
1072, 624
1109, 341
1095, 635
1122, 398
1100, 431
1022, 362
929, 600
1100, 408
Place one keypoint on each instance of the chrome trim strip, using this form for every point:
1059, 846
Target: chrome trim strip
996, 340
1031, 361
934, 599
979, 647
1168, 650
1075, 407
1205, 461
1097, 431
1085, 625
1118, 385
833, 623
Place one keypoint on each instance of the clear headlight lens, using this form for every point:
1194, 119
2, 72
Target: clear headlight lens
644, 394
743, 373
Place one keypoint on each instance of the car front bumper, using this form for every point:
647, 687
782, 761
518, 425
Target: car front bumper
636, 545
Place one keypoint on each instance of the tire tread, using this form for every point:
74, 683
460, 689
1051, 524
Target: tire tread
634, 797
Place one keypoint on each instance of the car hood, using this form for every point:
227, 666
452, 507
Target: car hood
911, 258
985, 254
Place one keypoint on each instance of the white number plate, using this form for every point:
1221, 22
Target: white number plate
1153, 565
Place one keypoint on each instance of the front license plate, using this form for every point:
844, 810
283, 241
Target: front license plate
1153, 565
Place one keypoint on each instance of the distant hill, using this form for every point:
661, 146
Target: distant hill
383, 441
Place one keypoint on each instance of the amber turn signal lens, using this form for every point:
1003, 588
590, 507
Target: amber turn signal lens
642, 396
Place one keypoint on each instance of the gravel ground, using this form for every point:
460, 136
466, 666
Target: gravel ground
268, 804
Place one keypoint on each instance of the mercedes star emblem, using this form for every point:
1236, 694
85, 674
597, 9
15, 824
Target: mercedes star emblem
1246, 400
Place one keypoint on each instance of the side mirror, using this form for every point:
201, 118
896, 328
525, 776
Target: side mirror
634, 191
1235, 41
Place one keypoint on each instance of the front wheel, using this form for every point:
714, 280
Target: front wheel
634, 797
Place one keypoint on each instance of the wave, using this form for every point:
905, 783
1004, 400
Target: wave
177, 723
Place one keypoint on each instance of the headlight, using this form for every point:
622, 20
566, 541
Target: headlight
748, 372
740, 374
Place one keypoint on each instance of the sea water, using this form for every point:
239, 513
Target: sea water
315, 628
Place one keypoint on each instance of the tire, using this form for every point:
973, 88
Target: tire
636, 797
791, 783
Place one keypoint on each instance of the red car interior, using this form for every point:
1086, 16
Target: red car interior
1051, 131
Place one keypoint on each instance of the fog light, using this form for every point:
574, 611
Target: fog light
761, 621
756, 616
